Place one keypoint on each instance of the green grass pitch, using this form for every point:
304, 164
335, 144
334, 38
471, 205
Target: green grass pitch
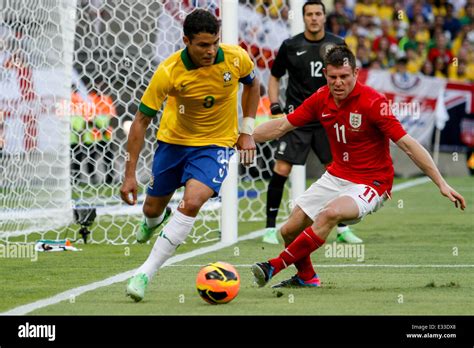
404, 243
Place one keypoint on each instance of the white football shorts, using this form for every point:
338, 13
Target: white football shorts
329, 187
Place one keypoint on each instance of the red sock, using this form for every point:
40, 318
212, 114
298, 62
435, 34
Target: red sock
305, 267
300, 248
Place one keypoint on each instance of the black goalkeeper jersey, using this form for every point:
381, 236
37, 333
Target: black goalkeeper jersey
303, 59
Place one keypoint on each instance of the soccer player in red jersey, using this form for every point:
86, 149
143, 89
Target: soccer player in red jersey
359, 125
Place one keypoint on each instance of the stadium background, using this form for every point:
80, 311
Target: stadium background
117, 46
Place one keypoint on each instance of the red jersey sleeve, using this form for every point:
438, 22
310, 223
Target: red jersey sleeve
382, 116
306, 112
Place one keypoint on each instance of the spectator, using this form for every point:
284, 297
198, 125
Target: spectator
386, 33
401, 67
387, 50
375, 64
91, 134
366, 8
422, 51
386, 10
335, 27
468, 17
451, 23
437, 31
399, 13
415, 62
440, 67
461, 38
462, 67
459, 72
363, 56
373, 31
437, 26
458, 7
409, 40
422, 32
348, 9
400, 26
427, 68
420, 8
440, 50
351, 37
338, 21
438, 8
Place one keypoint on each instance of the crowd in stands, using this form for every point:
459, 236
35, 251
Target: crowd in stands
434, 37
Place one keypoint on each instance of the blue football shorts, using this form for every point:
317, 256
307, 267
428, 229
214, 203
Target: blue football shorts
174, 165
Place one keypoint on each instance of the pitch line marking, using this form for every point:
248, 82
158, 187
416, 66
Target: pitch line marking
66, 295
362, 265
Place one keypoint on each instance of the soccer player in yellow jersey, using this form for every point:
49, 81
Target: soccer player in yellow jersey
198, 131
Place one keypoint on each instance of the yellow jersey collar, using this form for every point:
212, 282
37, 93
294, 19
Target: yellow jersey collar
188, 63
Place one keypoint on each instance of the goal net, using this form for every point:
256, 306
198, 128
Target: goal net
77, 74
36, 46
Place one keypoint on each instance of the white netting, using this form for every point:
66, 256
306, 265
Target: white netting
36, 42
117, 46
263, 26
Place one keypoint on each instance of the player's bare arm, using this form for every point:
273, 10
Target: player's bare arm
245, 143
273, 95
274, 89
423, 160
272, 129
136, 138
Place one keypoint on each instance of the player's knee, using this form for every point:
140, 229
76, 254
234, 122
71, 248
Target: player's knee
282, 168
330, 215
190, 206
288, 234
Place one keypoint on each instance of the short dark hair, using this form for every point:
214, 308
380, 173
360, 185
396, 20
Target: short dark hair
340, 55
200, 21
316, 2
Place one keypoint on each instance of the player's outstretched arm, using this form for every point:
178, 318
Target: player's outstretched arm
245, 143
423, 160
136, 138
272, 129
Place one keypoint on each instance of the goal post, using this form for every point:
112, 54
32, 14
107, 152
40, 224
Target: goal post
298, 172
229, 191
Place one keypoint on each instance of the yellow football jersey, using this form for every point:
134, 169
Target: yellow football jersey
201, 108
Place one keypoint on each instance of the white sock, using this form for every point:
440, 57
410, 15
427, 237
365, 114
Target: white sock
174, 233
342, 229
152, 222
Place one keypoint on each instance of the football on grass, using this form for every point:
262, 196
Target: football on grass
218, 283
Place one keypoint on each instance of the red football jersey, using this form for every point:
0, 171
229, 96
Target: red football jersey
359, 130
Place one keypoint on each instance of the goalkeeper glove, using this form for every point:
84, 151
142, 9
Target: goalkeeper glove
275, 108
